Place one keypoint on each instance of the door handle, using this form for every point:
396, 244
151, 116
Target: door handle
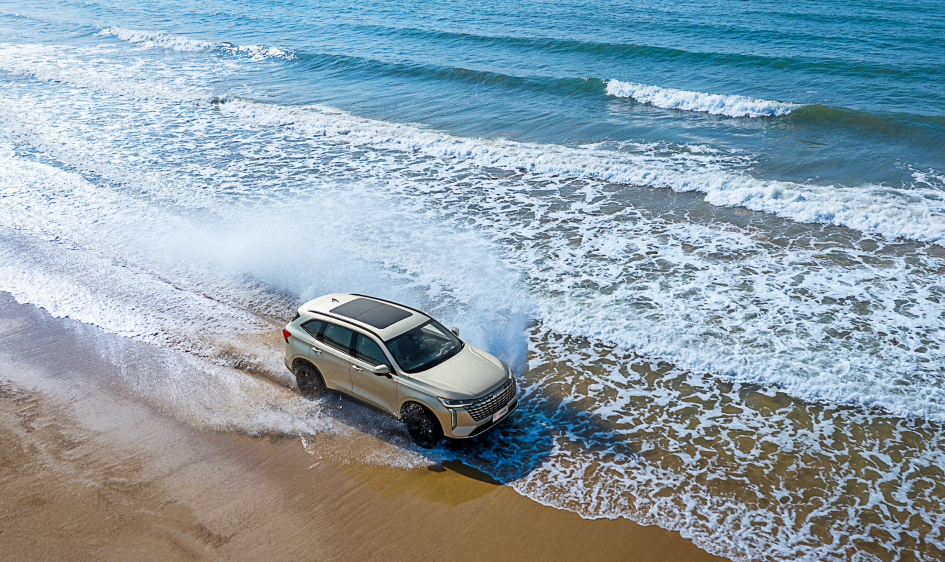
357, 367
316, 350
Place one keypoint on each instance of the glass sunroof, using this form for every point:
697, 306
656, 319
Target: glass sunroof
371, 312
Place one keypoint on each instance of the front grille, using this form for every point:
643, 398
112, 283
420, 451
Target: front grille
492, 402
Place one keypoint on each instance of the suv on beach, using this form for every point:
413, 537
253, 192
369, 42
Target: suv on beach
401, 361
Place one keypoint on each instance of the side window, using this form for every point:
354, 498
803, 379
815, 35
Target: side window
314, 327
370, 352
338, 337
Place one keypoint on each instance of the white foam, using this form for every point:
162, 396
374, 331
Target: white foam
715, 104
671, 450
150, 39
677, 450
930, 178
257, 51
157, 39
93, 69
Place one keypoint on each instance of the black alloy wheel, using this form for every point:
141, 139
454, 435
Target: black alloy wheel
422, 425
309, 381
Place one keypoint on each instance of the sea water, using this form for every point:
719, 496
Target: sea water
709, 237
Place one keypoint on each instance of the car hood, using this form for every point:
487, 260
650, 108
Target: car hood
468, 374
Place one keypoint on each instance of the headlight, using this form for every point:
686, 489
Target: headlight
455, 403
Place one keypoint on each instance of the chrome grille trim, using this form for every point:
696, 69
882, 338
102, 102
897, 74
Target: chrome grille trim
492, 402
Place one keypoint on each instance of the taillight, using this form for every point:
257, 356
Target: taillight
286, 334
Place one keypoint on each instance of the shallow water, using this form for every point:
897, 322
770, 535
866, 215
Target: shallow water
710, 239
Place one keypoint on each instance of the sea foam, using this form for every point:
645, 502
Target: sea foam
146, 39
715, 104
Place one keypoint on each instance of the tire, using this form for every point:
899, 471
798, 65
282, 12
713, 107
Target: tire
310, 382
422, 425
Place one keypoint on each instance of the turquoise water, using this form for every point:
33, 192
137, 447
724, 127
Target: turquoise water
710, 237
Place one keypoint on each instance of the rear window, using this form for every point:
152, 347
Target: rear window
314, 327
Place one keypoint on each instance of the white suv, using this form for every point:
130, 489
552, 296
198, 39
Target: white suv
400, 360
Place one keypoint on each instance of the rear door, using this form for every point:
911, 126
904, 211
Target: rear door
331, 353
381, 391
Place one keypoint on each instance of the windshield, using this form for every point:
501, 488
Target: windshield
423, 347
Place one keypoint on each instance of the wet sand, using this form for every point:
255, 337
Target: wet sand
89, 472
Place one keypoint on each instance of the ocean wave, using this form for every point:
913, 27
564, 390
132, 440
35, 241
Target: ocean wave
158, 39
715, 104
563, 86
916, 213
913, 128
652, 53
145, 38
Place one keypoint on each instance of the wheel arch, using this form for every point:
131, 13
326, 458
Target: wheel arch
299, 361
415, 400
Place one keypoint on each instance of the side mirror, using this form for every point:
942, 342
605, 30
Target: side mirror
455, 331
381, 370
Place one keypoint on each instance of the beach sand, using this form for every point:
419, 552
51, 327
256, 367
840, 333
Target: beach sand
89, 472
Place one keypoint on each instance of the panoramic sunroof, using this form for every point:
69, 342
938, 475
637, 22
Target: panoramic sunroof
371, 312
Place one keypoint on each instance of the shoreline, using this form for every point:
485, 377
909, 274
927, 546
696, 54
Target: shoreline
88, 471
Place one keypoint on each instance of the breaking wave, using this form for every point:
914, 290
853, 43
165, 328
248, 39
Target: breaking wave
715, 104
915, 213
145, 38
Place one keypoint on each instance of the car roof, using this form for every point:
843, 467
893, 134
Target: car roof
383, 318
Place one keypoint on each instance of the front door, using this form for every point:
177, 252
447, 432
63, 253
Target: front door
330, 353
378, 390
